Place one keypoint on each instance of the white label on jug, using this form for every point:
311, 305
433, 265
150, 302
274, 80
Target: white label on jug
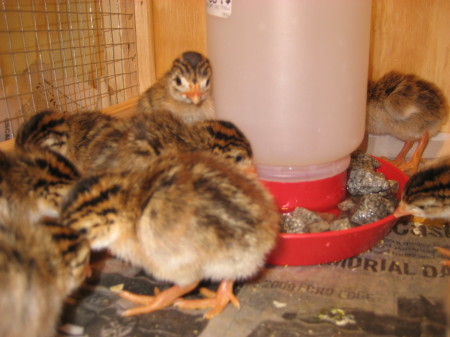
220, 8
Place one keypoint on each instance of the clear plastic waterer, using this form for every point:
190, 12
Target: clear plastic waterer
292, 75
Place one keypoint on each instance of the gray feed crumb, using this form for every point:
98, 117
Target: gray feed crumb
341, 224
320, 226
363, 181
394, 186
291, 224
373, 207
346, 205
362, 159
302, 220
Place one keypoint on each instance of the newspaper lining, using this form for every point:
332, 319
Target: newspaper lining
398, 288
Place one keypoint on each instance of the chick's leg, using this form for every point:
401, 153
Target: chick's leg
157, 302
410, 167
401, 157
217, 301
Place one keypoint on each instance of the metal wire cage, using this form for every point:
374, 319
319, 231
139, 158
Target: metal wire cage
64, 55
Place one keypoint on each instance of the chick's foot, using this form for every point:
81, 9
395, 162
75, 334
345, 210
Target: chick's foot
409, 167
217, 301
157, 302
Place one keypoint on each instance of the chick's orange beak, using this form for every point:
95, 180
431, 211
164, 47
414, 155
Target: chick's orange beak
401, 211
194, 93
251, 169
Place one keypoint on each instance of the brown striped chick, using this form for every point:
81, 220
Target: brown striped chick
408, 108
189, 216
225, 139
427, 195
46, 128
185, 90
41, 262
88, 139
154, 134
36, 177
94, 141
149, 136
40, 265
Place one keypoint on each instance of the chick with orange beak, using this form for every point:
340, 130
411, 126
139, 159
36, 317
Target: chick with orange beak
427, 195
185, 90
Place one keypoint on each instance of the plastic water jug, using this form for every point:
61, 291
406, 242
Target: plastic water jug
292, 75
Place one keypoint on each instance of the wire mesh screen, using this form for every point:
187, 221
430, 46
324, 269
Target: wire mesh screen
64, 55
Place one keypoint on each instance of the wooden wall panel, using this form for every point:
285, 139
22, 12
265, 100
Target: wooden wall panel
145, 47
178, 25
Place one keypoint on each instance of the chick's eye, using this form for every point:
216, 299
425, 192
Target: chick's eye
207, 82
238, 159
178, 80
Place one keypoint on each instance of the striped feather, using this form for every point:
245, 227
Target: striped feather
427, 192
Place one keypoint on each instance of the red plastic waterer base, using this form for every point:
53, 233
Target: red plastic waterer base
318, 195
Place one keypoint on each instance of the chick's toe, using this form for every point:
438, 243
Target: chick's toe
157, 302
217, 301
